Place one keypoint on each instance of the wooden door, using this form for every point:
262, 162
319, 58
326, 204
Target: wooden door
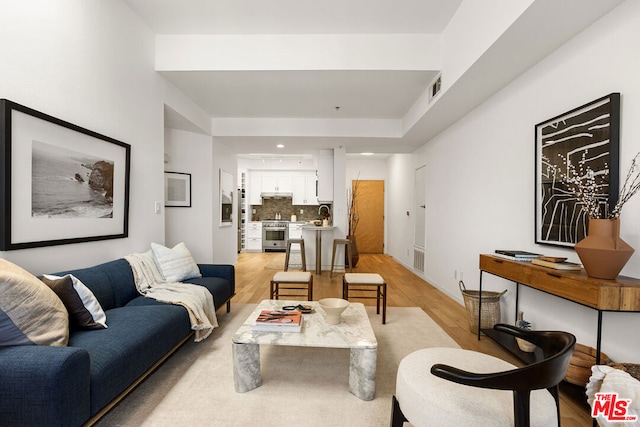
369, 205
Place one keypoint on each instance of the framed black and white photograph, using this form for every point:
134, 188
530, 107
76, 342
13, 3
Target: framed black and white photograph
580, 145
226, 197
60, 183
177, 189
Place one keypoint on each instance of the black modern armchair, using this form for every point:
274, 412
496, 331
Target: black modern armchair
546, 373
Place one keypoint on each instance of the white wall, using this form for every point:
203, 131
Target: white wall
90, 63
224, 239
199, 226
480, 176
189, 152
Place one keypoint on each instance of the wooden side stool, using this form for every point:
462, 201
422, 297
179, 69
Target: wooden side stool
347, 248
291, 280
288, 250
367, 282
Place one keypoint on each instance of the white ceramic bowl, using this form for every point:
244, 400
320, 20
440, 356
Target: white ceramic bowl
333, 308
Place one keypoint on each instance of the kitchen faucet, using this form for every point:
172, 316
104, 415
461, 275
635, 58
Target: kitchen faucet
320, 209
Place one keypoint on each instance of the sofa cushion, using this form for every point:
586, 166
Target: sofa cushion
84, 309
176, 264
136, 339
111, 282
221, 289
30, 312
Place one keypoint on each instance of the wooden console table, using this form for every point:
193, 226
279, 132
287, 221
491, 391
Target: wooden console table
620, 295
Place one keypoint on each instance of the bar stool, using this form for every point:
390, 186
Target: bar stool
293, 280
367, 282
288, 250
347, 248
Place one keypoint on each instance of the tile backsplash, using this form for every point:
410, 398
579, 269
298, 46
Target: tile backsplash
284, 206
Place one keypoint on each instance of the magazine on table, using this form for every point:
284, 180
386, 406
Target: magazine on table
278, 321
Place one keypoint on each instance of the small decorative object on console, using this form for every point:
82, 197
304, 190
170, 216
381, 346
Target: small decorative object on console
525, 346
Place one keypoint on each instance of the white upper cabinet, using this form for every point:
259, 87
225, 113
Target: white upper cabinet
304, 188
255, 187
325, 176
277, 182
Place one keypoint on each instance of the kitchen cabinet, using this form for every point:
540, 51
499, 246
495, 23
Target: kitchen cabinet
277, 182
305, 189
325, 176
255, 187
254, 236
295, 230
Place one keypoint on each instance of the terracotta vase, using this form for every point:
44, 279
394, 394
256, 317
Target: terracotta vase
603, 253
355, 255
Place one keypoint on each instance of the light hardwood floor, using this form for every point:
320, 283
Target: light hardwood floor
405, 289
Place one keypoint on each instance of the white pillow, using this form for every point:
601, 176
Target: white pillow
85, 311
175, 264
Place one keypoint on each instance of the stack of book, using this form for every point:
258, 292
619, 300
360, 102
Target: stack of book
278, 321
516, 255
557, 263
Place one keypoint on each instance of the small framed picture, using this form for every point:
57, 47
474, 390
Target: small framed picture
177, 189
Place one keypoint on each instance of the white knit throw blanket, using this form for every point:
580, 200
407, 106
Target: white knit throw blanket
196, 299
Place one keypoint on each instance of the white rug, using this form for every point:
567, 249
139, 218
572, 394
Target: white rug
300, 386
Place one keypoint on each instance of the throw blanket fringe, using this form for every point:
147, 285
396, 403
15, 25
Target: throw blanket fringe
196, 299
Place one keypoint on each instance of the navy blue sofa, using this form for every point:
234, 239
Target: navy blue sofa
73, 385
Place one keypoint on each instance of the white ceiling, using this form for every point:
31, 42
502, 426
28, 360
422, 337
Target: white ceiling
360, 94
296, 16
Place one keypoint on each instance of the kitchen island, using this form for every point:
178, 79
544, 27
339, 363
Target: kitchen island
323, 248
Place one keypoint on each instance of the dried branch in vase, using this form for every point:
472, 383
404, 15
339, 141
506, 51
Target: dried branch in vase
352, 214
586, 185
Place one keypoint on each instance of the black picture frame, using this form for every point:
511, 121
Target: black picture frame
589, 138
79, 181
177, 190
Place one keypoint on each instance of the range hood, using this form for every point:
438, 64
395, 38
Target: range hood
274, 195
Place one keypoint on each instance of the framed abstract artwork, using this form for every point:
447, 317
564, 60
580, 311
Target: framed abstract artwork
177, 189
60, 183
584, 144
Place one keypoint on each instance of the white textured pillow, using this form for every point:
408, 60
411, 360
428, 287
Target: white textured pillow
175, 264
85, 312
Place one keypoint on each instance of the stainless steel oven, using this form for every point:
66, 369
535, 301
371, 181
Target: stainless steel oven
274, 236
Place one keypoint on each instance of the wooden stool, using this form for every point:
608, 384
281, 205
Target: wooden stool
367, 282
347, 248
294, 280
286, 258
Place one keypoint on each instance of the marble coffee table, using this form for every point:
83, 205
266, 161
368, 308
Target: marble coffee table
354, 333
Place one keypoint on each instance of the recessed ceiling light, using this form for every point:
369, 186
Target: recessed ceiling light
366, 154
280, 145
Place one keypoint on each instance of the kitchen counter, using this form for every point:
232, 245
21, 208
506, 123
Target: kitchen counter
320, 249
